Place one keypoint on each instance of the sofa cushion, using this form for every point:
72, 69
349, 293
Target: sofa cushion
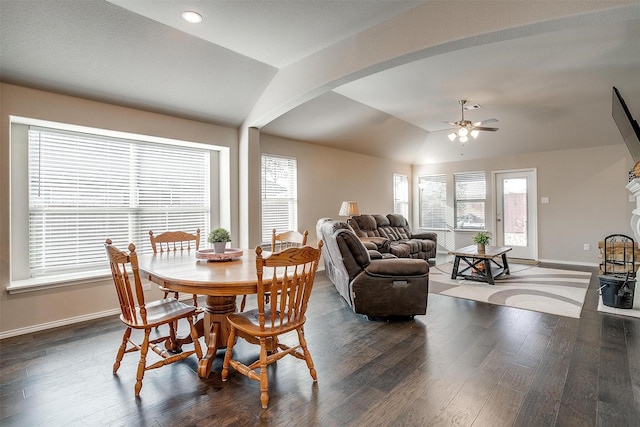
365, 226
401, 250
401, 225
381, 220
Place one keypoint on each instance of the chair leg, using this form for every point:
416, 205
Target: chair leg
121, 350
227, 354
175, 294
242, 303
307, 354
264, 376
194, 337
144, 347
172, 342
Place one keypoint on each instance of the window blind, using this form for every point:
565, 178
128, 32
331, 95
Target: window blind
470, 195
278, 195
433, 201
84, 188
401, 195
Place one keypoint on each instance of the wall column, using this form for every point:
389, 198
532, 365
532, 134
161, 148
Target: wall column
249, 187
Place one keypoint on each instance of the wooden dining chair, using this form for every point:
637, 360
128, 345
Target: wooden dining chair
173, 241
287, 239
279, 242
138, 314
288, 276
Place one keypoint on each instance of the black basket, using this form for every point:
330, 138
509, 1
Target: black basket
617, 292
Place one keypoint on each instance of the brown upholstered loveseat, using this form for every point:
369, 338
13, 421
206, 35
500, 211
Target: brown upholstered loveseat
383, 288
392, 234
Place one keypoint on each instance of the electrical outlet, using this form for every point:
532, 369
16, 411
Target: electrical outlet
146, 287
587, 247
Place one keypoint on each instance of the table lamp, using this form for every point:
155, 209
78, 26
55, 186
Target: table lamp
349, 209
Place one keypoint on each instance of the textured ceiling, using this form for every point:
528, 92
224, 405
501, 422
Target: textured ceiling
374, 77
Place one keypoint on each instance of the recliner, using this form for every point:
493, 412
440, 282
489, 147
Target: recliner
376, 288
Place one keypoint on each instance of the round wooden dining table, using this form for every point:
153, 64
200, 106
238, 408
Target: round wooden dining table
220, 281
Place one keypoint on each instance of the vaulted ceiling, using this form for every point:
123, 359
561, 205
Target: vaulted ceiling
377, 77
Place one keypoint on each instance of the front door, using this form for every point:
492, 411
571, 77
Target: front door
516, 213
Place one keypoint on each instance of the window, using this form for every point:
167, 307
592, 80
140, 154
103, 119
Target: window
401, 195
84, 188
433, 201
470, 193
279, 194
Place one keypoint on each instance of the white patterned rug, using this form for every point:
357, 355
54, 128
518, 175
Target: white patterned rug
547, 290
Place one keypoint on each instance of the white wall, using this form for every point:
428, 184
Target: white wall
327, 177
586, 190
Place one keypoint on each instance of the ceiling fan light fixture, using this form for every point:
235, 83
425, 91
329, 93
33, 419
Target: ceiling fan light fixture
465, 128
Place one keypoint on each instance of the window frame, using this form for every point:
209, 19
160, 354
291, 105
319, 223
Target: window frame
20, 280
401, 201
468, 177
291, 202
425, 202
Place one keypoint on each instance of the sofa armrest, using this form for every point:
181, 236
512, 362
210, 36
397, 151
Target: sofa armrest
369, 245
397, 267
430, 235
374, 254
381, 244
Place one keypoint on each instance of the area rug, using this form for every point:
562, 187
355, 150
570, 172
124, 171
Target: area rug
546, 290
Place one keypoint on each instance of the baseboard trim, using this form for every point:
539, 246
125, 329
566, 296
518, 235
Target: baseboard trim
58, 323
70, 321
565, 262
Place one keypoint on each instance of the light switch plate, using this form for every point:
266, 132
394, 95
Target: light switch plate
544, 200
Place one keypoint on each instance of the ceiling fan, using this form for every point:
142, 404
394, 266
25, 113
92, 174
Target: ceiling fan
464, 128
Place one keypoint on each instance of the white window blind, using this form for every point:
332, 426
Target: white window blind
433, 201
279, 195
401, 195
84, 188
470, 194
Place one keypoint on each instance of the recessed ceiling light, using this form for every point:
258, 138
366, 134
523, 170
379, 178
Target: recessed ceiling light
192, 17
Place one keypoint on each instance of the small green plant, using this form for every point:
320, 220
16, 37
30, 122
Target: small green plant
219, 235
481, 238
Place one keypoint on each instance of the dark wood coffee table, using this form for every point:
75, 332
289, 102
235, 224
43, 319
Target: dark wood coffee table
481, 266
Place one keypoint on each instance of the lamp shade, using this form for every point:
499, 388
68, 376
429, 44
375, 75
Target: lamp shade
349, 208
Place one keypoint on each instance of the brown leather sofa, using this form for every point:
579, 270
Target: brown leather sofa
392, 234
378, 288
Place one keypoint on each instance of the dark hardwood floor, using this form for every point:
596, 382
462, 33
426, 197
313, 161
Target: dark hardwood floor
464, 363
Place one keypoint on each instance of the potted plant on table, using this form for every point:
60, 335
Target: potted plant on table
219, 237
481, 240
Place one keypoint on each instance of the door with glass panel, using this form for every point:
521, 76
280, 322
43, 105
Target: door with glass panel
516, 213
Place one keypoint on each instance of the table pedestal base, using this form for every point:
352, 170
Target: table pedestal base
216, 329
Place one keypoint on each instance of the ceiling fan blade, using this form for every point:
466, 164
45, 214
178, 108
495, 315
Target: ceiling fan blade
442, 130
485, 128
484, 122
